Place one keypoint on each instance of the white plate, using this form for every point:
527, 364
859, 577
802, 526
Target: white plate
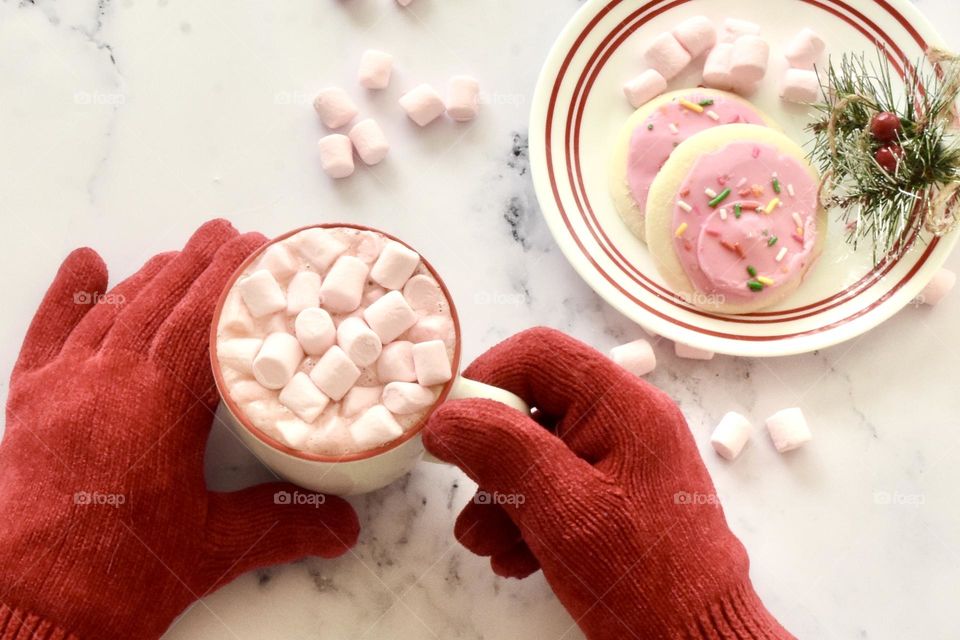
578, 109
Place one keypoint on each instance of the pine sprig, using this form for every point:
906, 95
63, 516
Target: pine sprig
878, 206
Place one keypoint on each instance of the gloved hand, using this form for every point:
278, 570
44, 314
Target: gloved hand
615, 504
107, 529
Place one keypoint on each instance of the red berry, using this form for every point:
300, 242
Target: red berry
888, 157
885, 126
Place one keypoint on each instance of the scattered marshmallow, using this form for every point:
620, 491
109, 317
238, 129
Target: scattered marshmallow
376, 67
748, 60
359, 399
463, 98
358, 341
395, 265
691, 353
800, 85
424, 294
277, 361
262, 294
303, 397
644, 88
315, 330
788, 429
734, 29
238, 353
938, 287
435, 327
335, 107
716, 68
335, 373
294, 432
805, 48
431, 362
731, 435
637, 357
667, 55
336, 155
303, 292
319, 247
390, 316
423, 104
278, 260
696, 34
375, 427
402, 398
342, 289
369, 140
396, 362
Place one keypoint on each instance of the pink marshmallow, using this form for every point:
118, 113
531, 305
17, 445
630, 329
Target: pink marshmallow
277, 361
637, 357
335, 373
248, 391
278, 260
342, 288
788, 429
716, 68
370, 246
390, 316
336, 155
303, 292
261, 293
375, 427
402, 398
463, 98
731, 435
359, 399
431, 362
667, 55
423, 104
371, 143
644, 88
235, 317
376, 67
315, 330
396, 363
805, 48
691, 353
395, 265
436, 327
748, 61
238, 353
334, 107
358, 341
294, 432
734, 29
303, 397
938, 287
319, 247
424, 294
800, 85
696, 34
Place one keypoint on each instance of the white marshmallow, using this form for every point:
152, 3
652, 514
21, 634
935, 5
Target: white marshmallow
235, 317
369, 247
805, 48
277, 360
334, 107
696, 34
731, 435
733, 29
390, 316
303, 292
358, 341
336, 155
434, 327
395, 265
667, 55
315, 330
360, 399
294, 433
800, 85
303, 398
375, 427
463, 98
376, 67
238, 353
342, 288
938, 287
748, 61
644, 88
788, 429
262, 294
373, 293
402, 398
248, 391
396, 363
319, 247
423, 104
691, 353
431, 362
278, 260
637, 357
716, 68
424, 294
335, 373
370, 141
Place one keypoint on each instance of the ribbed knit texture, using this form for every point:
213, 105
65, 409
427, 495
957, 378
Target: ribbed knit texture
613, 501
107, 527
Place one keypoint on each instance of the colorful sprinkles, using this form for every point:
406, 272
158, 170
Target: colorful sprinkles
680, 230
684, 205
720, 197
692, 106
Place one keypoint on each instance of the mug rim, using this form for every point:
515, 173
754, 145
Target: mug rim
242, 419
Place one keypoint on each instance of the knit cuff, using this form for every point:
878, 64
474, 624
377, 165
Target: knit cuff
739, 615
18, 624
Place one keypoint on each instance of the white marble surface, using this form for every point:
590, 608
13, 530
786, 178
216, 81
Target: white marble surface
125, 124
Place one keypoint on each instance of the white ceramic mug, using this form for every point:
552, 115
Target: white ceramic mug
350, 473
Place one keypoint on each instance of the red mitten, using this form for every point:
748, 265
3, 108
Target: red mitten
615, 505
107, 527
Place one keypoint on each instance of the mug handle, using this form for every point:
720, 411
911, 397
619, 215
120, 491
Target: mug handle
464, 388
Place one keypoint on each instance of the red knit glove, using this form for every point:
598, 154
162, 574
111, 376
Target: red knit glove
107, 529
617, 507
